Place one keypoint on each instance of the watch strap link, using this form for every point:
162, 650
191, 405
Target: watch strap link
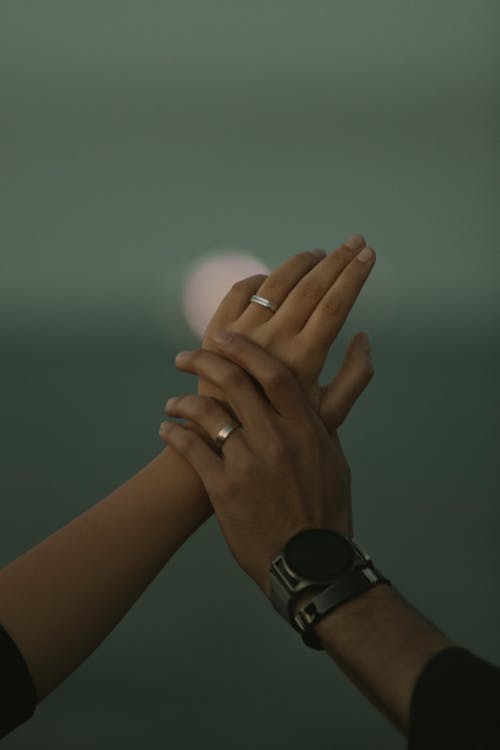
348, 587
284, 587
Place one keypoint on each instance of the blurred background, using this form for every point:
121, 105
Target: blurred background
142, 140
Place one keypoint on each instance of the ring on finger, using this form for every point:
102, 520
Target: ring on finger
224, 433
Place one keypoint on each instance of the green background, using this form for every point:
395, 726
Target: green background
137, 138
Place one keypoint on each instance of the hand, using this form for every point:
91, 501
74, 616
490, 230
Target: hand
314, 295
278, 473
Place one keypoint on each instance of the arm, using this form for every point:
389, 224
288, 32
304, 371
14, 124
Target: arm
61, 598
277, 476
382, 644
437, 693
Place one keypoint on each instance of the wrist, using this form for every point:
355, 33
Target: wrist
180, 492
372, 598
318, 572
382, 644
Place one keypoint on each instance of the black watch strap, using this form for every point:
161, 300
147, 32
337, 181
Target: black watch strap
285, 586
348, 587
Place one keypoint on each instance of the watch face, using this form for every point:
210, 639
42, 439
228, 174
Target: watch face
318, 555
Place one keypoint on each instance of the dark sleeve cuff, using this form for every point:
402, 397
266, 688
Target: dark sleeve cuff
18, 697
456, 703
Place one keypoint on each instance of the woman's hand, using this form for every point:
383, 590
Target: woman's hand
314, 295
278, 473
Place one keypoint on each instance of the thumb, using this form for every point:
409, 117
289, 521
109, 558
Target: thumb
341, 393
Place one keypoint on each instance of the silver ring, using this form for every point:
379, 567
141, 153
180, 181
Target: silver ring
264, 302
224, 433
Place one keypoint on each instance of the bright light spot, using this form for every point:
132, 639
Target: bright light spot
209, 281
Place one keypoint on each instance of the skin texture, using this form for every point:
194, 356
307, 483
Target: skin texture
286, 471
314, 295
78, 583
277, 474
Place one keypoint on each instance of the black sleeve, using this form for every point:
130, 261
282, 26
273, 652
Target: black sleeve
17, 692
456, 704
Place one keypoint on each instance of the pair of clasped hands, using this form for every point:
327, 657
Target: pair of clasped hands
283, 469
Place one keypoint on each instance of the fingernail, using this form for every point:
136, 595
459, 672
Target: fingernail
181, 355
170, 403
222, 337
164, 428
318, 253
366, 254
355, 242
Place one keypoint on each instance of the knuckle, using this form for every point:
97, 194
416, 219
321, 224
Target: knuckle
233, 377
278, 376
309, 288
206, 407
195, 404
333, 306
187, 438
209, 342
184, 436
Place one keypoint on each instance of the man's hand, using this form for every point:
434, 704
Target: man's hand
278, 473
314, 295
282, 472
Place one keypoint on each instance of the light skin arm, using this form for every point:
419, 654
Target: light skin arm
277, 475
60, 599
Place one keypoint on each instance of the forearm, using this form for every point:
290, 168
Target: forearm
60, 599
382, 644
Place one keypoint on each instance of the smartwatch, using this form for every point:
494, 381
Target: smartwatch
331, 564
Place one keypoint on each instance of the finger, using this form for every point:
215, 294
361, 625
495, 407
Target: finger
193, 448
275, 378
236, 301
278, 285
307, 293
340, 395
245, 398
209, 414
330, 314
